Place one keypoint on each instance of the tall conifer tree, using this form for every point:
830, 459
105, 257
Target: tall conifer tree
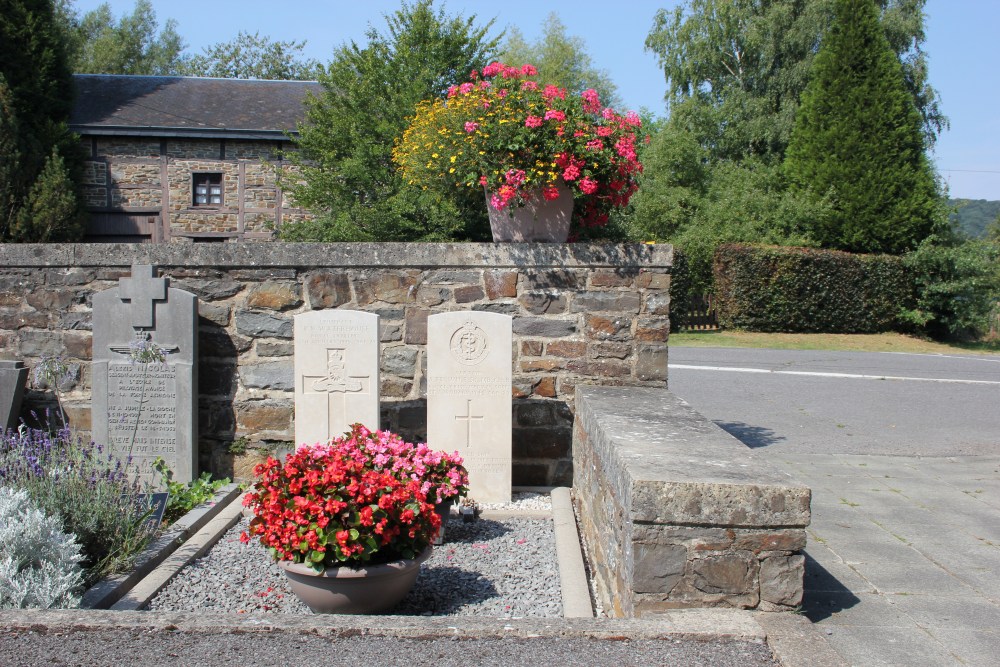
857, 139
38, 194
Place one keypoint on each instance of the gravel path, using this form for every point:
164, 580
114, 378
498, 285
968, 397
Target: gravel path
497, 568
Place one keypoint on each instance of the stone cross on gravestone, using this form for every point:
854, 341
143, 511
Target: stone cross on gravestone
147, 410
468, 418
336, 384
336, 373
469, 379
142, 290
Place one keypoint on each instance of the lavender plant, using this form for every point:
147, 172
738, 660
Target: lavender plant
95, 495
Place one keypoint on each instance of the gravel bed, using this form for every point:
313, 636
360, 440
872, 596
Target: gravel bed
504, 569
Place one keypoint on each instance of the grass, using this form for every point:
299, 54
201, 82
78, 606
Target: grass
883, 342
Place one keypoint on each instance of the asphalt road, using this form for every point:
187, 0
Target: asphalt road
814, 402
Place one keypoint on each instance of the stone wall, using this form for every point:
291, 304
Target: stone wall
142, 176
583, 314
675, 512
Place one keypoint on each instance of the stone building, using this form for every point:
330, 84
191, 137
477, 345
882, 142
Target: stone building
184, 158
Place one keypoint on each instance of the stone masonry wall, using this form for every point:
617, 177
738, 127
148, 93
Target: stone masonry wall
583, 314
675, 512
142, 176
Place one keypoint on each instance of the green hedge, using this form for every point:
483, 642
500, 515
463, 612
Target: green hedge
768, 288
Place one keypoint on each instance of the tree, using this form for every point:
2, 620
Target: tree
39, 155
369, 94
134, 44
736, 69
561, 60
858, 139
253, 57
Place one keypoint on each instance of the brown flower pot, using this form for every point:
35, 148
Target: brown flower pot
539, 220
366, 589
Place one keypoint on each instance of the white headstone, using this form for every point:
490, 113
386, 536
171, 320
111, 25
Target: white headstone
336, 373
147, 410
469, 396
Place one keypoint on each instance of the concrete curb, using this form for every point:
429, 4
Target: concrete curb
795, 642
225, 517
698, 624
572, 573
108, 591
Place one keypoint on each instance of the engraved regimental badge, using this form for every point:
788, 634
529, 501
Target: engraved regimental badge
468, 344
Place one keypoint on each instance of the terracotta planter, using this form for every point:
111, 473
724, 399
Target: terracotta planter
539, 220
368, 589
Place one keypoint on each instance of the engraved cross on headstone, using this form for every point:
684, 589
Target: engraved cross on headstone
335, 383
143, 289
468, 418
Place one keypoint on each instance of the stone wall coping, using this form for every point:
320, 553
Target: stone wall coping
675, 466
250, 255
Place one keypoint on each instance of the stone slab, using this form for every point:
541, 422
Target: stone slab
147, 410
469, 407
683, 469
336, 373
13, 375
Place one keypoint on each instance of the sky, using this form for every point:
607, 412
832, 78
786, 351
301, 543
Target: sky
959, 42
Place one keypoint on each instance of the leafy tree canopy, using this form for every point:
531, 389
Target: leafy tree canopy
253, 57
858, 140
345, 146
561, 60
131, 44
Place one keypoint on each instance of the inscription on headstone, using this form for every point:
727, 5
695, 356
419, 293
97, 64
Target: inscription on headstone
336, 373
146, 410
469, 396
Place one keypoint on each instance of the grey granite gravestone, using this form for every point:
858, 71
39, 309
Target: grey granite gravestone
12, 377
336, 373
469, 396
147, 410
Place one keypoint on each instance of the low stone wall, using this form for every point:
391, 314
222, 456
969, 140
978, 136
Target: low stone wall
583, 314
675, 512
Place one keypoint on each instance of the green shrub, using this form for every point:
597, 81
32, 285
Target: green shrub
957, 289
680, 290
767, 288
94, 495
185, 497
39, 563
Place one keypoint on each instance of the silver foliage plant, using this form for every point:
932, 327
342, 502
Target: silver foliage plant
39, 563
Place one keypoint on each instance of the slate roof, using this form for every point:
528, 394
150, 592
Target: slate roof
176, 106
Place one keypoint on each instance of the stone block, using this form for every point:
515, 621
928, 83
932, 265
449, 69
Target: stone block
559, 278
608, 327
511, 309
567, 349
541, 365
542, 443
328, 290
531, 348
781, 579
16, 319
652, 330
500, 284
219, 343
47, 299
657, 303
274, 296
652, 280
546, 387
216, 313
435, 296
400, 361
529, 474
268, 375
256, 416
771, 540
275, 348
79, 345
616, 302
651, 363
599, 369
216, 379
657, 567
613, 277
262, 325
468, 294
393, 387
416, 326
611, 350
386, 288
539, 303
544, 327
729, 573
